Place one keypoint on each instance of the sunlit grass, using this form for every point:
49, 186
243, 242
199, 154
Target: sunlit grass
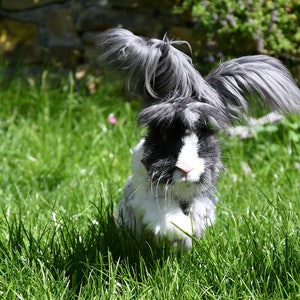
62, 170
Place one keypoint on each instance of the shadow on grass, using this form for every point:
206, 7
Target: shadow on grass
248, 252
104, 244
68, 250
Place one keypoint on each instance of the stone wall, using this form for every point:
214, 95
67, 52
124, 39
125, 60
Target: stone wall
62, 32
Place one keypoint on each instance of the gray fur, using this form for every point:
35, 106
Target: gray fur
191, 113
155, 69
175, 167
241, 79
179, 106
161, 73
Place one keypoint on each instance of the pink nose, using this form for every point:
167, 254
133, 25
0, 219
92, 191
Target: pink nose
184, 170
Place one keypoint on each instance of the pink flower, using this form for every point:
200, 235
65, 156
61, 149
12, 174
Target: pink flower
111, 119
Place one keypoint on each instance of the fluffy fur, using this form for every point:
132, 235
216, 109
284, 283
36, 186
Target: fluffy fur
171, 193
166, 212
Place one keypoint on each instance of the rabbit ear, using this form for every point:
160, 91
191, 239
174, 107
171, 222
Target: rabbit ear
237, 80
155, 69
124, 51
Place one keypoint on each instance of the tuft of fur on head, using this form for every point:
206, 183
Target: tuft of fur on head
191, 113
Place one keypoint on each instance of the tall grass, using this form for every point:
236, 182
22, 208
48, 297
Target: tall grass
62, 169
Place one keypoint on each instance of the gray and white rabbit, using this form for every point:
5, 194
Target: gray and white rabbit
170, 195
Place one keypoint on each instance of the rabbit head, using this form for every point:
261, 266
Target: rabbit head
180, 145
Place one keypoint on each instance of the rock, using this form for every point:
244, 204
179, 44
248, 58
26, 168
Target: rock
17, 38
89, 45
60, 30
125, 3
155, 5
99, 19
90, 37
90, 54
61, 56
25, 4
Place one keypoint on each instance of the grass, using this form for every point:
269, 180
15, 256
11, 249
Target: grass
62, 169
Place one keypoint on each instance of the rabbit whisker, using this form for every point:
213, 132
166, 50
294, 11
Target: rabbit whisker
137, 189
157, 190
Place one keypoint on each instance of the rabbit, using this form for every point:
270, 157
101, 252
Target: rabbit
171, 195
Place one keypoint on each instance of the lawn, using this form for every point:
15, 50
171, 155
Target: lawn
62, 170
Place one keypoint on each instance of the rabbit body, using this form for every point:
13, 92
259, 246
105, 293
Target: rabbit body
171, 193
175, 213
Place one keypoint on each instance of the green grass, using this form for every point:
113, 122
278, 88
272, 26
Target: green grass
62, 169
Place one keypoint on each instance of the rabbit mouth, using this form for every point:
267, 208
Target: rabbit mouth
176, 178
187, 172
187, 178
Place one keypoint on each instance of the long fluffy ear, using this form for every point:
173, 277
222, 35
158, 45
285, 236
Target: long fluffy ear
155, 69
259, 76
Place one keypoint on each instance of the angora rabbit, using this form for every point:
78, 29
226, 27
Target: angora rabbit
171, 193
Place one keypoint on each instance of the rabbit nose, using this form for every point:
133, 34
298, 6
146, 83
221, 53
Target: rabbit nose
185, 170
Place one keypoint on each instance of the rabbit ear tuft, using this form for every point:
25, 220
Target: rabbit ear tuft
171, 87
155, 69
257, 77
